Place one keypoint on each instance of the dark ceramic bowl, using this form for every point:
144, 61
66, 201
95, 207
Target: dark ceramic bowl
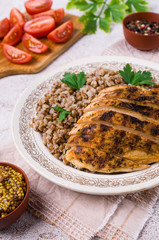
14, 215
139, 41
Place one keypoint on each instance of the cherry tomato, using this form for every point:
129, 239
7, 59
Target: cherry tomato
13, 36
57, 14
4, 27
16, 17
16, 55
37, 6
62, 33
39, 27
33, 44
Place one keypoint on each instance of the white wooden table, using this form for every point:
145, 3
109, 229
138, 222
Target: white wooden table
29, 227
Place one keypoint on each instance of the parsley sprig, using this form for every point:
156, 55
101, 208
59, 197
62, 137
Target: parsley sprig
62, 114
104, 12
136, 78
74, 81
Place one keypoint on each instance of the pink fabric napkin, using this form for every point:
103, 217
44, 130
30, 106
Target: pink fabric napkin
83, 216
123, 48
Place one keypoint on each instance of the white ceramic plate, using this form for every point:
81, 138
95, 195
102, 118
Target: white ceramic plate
29, 142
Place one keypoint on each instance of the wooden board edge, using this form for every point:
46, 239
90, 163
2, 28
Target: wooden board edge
40, 67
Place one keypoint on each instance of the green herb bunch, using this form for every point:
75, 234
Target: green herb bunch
103, 12
136, 78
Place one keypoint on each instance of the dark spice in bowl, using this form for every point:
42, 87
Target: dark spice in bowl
140, 38
143, 27
12, 189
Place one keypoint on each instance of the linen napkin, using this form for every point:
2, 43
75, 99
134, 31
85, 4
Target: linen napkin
84, 216
123, 48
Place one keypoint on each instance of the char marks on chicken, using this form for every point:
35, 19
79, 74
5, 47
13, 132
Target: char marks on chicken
118, 132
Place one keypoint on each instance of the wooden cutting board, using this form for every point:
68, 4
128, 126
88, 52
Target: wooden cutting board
40, 61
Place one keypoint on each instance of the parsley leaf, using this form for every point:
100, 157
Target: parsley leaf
70, 5
127, 74
116, 10
136, 78
62, 114
74, 81
101, 13
90, 26
138, 5
70, 80
81, 79
82, 5
93, 8
90, 22
59, 108
104, 24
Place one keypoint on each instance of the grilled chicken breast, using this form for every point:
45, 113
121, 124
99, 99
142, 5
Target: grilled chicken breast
119, 131
118, 105
98, 161
131, 92
120, 143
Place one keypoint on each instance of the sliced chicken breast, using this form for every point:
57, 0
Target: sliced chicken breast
119, 131
98, 161
118, 142
131, 107
132, 93
107, 113
143, 129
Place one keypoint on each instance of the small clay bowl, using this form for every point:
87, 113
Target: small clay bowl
140, 41
15, 214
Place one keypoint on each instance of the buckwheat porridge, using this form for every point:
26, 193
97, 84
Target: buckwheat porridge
55, 133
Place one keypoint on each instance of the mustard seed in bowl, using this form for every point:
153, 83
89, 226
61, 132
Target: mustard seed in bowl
12, 189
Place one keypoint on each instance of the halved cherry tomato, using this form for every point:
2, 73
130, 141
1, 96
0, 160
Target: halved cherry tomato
37, 6
16, 17
40, 27
16, 55
13, 36
4, 27
57, 14
62, 33
33, 44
